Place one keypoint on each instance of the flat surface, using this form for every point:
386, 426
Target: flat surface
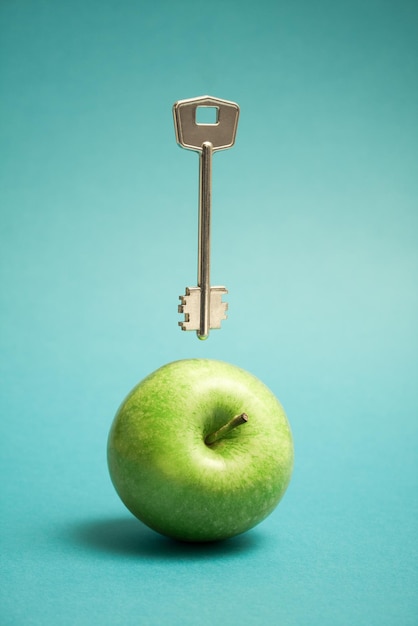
314, 235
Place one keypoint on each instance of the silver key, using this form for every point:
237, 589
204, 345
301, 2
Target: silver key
202, 306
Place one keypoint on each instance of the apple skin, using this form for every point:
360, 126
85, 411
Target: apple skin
174, 482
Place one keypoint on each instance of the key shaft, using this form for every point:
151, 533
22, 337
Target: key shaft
205, 209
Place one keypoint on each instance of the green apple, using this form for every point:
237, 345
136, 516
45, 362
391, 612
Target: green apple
200, 450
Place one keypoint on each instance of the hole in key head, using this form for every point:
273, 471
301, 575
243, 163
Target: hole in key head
207, 116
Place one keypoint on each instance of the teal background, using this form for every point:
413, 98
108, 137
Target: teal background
314, 235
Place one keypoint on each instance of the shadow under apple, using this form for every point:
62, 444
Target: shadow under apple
130, 537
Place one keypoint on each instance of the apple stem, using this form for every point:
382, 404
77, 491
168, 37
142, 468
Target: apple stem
218, 434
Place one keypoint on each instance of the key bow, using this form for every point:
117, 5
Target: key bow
191, 135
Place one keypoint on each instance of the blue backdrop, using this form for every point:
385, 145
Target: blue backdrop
315, 236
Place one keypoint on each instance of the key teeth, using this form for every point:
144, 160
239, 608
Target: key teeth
190, 308
218, 307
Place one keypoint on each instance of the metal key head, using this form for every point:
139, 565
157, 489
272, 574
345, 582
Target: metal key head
191, 134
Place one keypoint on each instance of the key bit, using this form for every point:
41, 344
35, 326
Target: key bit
202, 306
190, 306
